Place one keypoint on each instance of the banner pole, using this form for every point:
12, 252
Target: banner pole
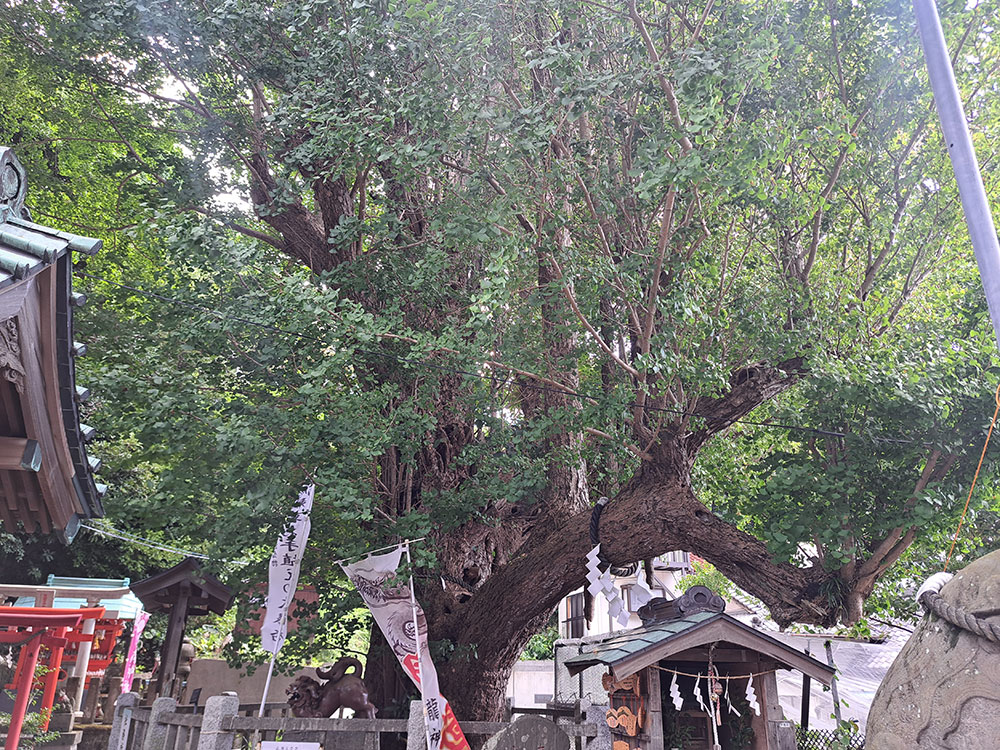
255, 740
416, 640
267, 686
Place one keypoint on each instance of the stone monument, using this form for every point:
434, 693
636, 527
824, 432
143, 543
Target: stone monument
529, 733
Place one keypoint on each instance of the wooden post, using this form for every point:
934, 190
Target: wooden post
52, 678
172, 642
767, 696
654, 714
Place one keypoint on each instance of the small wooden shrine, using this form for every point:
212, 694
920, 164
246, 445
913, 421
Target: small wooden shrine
46, 476
183, 590
694, 677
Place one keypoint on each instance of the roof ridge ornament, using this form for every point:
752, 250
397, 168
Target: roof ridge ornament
13, 186
695, 599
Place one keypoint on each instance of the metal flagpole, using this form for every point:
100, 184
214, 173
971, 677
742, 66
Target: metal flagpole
416, 640
263, 699
963, 157
267, 685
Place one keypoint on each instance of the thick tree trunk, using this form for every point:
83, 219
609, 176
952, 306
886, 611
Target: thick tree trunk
656, 512
389, 689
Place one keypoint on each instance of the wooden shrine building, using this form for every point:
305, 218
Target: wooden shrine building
182, 590
46, 476
683, 679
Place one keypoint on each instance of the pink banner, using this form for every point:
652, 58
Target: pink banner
128, 675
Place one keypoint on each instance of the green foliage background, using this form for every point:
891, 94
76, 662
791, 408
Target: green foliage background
227, 374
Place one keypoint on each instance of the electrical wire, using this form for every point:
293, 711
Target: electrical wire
142, 542
480, 376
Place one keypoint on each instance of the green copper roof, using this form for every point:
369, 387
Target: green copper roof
26, 247
645, 645
623, 644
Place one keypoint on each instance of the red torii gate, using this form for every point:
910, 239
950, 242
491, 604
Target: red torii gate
34, 627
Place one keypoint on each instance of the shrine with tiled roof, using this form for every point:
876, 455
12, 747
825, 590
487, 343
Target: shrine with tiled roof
47, 479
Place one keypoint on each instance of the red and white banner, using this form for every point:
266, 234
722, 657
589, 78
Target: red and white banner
283, 575
402, 621
141, 618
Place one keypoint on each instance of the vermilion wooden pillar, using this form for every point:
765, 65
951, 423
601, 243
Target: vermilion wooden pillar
23, 690
44, 626
52, 677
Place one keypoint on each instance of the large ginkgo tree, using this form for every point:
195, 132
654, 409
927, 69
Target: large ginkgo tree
471, 265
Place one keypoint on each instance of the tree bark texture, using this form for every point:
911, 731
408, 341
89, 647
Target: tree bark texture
656, 512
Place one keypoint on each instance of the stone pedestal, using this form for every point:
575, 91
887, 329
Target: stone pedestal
943, 689
61, 722
65, 741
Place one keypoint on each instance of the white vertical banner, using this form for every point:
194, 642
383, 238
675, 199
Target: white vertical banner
283, 574
402, 621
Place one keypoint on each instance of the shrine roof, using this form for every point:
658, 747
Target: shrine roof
627, 652
46, 475
159, 592
26, 248
51, 617
72, 582
119, 602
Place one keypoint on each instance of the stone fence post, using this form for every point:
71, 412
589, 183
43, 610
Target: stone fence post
217, 708
416, 734
597, 715
156, 733
123, 718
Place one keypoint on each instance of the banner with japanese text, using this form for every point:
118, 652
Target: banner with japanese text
402, 621
283, 574
138, 625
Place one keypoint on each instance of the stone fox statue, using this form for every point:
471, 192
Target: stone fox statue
311, 700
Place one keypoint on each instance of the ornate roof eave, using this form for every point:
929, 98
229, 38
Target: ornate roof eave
28, 249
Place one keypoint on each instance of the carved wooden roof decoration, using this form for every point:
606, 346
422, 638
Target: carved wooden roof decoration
46, 476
